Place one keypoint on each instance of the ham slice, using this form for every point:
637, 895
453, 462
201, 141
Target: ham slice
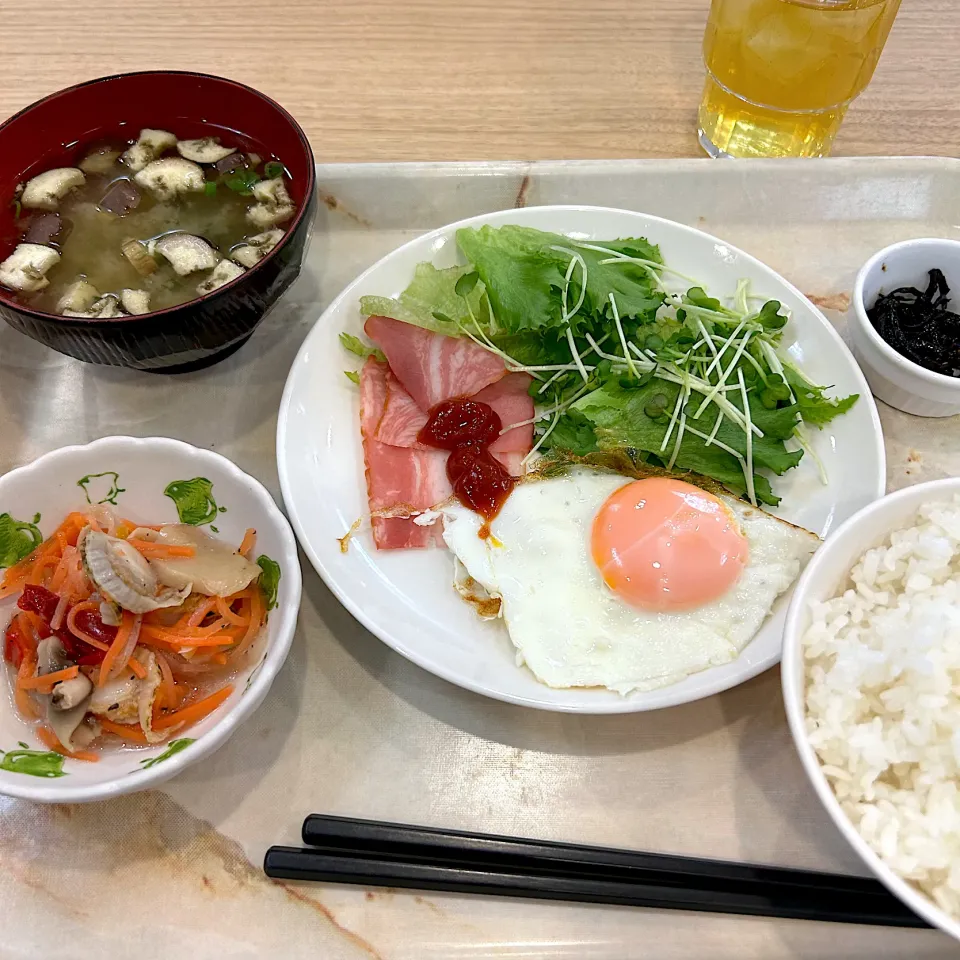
402, 419
512, 461
513, 404
432, 367
397, 477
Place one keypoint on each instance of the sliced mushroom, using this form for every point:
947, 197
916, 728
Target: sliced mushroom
249, 254
147, 695
100, 161
215, 569
121, 574
106, 308
139, 257
224, 272
122, 197
170, 177
67, 724
47, 228
204, 150
187, 253
274, 204
79, 297
26, 268
45, 191
71, 693
65, 712
135, 301
51, 656
150, 144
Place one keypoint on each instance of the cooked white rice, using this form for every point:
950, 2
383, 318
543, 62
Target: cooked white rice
883, 699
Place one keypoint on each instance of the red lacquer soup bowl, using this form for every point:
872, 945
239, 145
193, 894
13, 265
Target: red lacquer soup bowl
56, 132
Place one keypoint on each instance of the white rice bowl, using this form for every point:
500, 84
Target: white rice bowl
882, 698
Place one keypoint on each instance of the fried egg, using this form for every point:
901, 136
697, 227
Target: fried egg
626, 584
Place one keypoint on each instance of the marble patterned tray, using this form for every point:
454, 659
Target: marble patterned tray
352, 728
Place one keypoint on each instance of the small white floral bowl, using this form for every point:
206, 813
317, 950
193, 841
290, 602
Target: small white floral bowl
152, 480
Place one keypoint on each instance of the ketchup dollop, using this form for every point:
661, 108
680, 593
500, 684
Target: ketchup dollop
467, 428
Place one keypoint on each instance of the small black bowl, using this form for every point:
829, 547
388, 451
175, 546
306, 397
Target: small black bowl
56, 131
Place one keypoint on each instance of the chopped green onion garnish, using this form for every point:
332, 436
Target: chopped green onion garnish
17, 209
273, 169
210, 188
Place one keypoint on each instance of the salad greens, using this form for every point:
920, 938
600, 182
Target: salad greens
622, 361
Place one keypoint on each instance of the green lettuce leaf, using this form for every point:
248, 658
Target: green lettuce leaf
620, 418
523, 272
815, 408
574, 433
357, 346
522, 275
431, 301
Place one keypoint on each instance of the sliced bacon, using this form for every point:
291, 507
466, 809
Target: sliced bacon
510, 398
513, 461
402, 419
432, 367
397, 477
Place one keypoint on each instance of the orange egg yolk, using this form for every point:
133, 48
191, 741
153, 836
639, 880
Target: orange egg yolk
662, 544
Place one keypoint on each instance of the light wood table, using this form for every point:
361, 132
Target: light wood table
489, 79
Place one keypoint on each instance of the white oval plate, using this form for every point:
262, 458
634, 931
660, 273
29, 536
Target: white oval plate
405, 597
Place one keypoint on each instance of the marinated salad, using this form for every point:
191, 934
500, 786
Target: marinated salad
623, 354
129, 633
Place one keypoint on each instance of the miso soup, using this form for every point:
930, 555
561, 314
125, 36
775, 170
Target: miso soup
138, 226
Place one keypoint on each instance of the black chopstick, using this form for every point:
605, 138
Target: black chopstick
431, 845
394, 855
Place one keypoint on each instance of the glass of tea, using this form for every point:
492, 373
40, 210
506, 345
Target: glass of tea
781, 73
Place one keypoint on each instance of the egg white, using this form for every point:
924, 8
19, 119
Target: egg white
570, 629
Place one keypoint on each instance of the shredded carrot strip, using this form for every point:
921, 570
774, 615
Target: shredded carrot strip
150, 549
256, 622
249, 539
62, 571
27, 622
220, 658
77, 632
19, 572
167, 694
138, 668
130, 731
49, 738
25, 703
47, 680
178, 640
223, 608
196, 711
196, 618
47, 562
123, 634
